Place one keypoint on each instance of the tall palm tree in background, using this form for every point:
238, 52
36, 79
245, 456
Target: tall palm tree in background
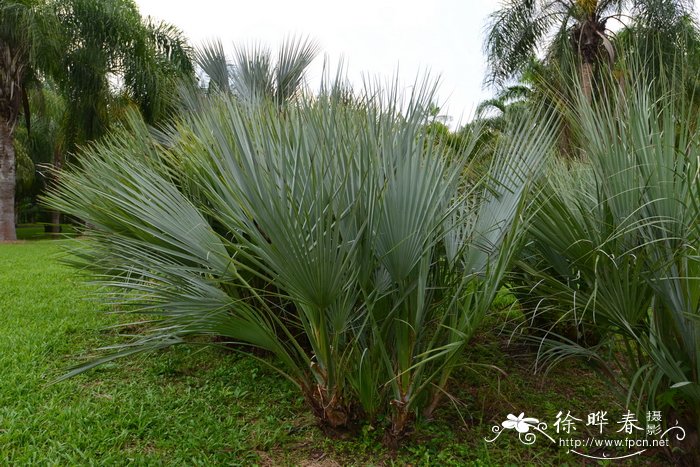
577, 28
93, 51
114, 60
38, 149
111, 50
23, 25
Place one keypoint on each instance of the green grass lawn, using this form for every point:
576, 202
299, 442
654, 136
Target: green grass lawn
203, 405
184, 406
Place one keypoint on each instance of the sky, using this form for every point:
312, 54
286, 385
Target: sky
376, 38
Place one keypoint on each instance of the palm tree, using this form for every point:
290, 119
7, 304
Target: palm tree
86, 47
253, 75
563, 27
144, 59
38, 149
492, 111
147, 59
20, 31
339, 237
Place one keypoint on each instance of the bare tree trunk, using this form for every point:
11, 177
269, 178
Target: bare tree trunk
7, 183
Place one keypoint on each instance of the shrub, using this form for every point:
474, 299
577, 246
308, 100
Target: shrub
341, 238
614, 247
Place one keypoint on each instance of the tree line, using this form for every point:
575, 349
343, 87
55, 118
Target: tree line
69, 70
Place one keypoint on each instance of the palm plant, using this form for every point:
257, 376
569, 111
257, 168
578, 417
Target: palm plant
341, 238
80, 45
494, 113
522, 27
39, 144
107, 42
511, 95
23, 24
160, 61
252, 75
615, 247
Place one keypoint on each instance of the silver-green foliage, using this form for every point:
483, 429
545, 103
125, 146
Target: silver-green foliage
341, 238
253, 74
615, 246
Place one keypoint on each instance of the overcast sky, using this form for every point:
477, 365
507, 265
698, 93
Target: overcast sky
376, 37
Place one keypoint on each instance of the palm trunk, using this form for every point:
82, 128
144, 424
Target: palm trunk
587, 80
7, 182
55, 226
